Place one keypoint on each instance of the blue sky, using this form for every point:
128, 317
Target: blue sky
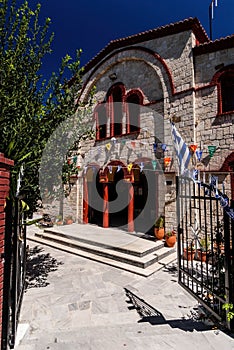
91, 24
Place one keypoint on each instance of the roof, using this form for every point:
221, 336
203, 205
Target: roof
216, 45
173, 28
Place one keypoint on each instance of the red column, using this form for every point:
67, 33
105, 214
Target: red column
85, 202
105, 206
131, 208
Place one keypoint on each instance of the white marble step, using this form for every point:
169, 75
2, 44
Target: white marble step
147, 271
142, 262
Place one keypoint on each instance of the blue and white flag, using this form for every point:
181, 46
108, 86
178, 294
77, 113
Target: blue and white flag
181, 149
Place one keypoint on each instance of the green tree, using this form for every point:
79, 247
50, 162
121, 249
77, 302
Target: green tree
31, 108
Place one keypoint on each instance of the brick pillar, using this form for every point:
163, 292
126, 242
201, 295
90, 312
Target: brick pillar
5, 165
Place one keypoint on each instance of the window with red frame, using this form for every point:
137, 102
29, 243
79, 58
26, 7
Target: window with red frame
101, 122
117, 111
227, 91
133, 113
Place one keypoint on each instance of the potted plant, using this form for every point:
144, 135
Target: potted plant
202, 252
170, 237
189, 252
59, 220
159, 228
69, 220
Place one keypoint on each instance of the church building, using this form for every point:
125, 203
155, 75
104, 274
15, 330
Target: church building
142, 83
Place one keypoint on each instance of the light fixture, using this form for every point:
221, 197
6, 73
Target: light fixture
113, 76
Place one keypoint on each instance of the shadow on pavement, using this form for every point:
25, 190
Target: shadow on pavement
38, 266
155, 317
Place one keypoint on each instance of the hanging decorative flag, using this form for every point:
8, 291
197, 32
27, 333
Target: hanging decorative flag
193, 148
154, 163
164, 147
199, 155
108, 146
141, 167
130, 167
133, 143
110, 169
167, 161
119, 168
155, 147
182, 150
74, 159
211, 150
123, 142
113, 139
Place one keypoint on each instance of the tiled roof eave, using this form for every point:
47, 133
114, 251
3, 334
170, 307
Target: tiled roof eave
212, 46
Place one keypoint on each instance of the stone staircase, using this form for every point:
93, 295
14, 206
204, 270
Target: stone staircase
139, 255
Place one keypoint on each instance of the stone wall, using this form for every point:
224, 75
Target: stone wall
5, 165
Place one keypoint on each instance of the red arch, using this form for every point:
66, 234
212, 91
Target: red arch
226, 164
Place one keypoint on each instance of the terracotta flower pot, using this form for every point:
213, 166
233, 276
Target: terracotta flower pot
69, 222
171, 240
201, 255
188, 254
159, 232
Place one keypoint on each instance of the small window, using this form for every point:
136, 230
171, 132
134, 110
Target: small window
117, 112
101, 122
227, 92
134, 102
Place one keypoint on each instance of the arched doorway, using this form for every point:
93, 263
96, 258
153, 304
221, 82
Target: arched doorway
118, 200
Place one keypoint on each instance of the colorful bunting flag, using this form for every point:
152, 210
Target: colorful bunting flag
164, 147
141, 167
167, 161
193, 148
199, 155
154, 163
130, 167
211, 150
119, 168
155, 147
110, 169
108, 146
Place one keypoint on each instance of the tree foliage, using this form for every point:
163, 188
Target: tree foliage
31, 108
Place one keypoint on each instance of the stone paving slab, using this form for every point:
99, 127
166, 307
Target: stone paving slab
84, 307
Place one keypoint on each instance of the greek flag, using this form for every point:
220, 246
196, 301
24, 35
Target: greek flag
181, 149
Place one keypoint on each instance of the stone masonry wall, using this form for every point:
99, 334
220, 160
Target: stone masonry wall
5, 165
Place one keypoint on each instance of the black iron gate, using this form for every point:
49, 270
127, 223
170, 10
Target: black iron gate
205, 249
14, 271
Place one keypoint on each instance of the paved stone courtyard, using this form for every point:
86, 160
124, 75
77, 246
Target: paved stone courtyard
75, 303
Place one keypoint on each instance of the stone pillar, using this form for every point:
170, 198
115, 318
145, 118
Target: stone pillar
85, 202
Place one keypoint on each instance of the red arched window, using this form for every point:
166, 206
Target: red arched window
226, 81
134, 100
101, 122
116, 110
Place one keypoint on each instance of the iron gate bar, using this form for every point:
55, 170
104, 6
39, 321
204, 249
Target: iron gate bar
14, 271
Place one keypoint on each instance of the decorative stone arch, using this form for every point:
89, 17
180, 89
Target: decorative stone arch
149, 57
